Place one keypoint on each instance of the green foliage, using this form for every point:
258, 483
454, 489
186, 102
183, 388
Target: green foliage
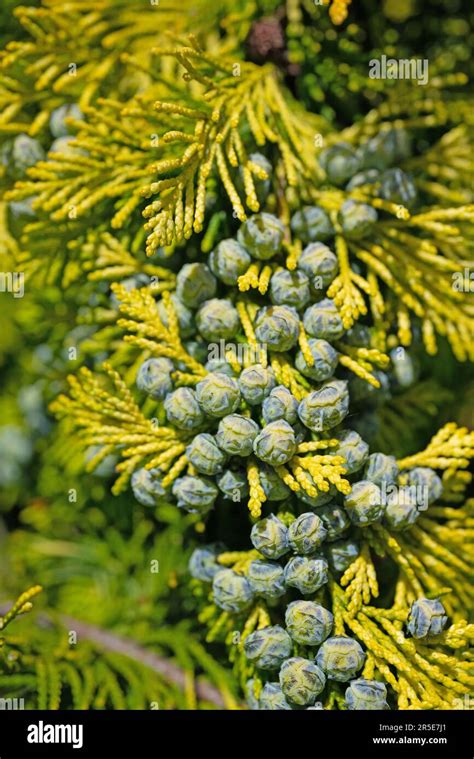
209, 129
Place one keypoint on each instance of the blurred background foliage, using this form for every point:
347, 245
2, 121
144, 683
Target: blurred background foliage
94, 553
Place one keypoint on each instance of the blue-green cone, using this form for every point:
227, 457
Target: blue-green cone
366, 695
205, 455
340, 658
301, 681
325, 408
147, 487
306, 574
218, 394
277, 327
266, 579
272, 698
280, 404
310, 224
235, 435
195, 494
427, 617
228, 261
308, 623
183, 410
203, 564
268, 648
270, 537
325, 359
364, 504
341, 554
262, 235
154, 377
276, 443
306, 533
195, 283
353, 449
231, 591
289, 288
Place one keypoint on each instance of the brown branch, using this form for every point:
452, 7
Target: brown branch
132, 650
127, 647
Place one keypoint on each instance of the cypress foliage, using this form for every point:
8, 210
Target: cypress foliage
238, 332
